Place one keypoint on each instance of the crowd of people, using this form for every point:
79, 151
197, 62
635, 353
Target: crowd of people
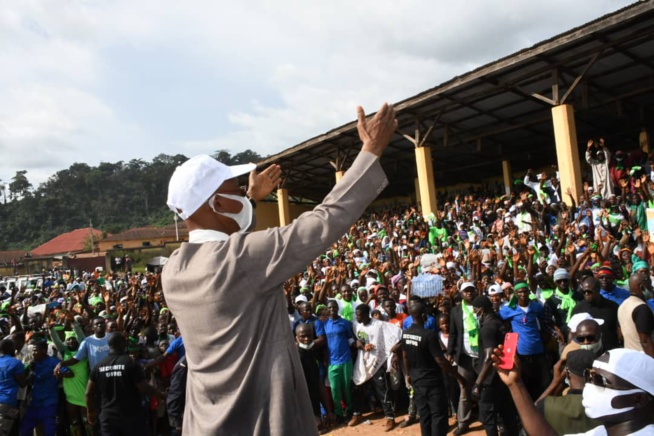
102, 353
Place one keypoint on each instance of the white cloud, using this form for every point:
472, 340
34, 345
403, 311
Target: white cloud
312, 62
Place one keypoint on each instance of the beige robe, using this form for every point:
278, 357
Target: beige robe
245, 376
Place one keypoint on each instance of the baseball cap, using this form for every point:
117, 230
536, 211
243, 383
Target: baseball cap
194, 181
633, 366
577, 318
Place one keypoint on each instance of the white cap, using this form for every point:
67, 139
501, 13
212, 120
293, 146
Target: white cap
194, 181
466, 285
494, 290
633, 366
576, 319
300, 298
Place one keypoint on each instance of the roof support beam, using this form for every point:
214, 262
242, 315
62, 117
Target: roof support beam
581, 76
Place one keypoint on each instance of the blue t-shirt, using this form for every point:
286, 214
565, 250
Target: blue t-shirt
45, 386
617, 295
430, 324
526, 325
9, 368
94, 349
650, 303
338, 333
318, 326
177, 345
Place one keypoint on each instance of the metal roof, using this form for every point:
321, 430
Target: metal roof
500, 110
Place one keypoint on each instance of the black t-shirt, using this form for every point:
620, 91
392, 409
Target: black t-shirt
644, 319
491, 334
309, 361
421, 348
606, 310
116, 377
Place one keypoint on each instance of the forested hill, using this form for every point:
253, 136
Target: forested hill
111, 196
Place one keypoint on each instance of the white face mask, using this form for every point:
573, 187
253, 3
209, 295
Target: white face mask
597, 401
595, 348
243, 218
305, 346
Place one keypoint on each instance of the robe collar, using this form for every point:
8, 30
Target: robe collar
205, 235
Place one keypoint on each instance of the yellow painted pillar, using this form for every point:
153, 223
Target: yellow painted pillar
644, 141
567, 151
339, 175
426, 180
416, 183
284, 210
506, 173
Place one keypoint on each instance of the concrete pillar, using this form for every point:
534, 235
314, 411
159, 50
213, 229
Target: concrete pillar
567, 151
644, 140
506, 173
284, 210
339, 175
416, 183
426, 180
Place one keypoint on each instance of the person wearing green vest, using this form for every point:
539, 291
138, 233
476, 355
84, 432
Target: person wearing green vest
463, 348
346, 302
74, 387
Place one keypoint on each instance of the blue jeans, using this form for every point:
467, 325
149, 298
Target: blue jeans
35, 415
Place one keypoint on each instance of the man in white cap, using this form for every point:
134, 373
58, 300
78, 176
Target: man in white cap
225, 287
463, 349
618, 392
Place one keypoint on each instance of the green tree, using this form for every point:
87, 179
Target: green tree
19, 186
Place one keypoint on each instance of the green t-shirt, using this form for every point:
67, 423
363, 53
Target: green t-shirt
75, 387
436, 233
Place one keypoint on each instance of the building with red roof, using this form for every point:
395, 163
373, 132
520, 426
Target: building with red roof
68, 243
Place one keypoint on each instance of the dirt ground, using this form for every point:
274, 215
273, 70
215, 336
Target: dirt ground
373, 423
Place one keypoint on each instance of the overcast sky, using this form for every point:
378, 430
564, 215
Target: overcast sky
93, 81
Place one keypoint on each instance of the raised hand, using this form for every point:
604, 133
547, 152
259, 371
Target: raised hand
260, 185
376, 132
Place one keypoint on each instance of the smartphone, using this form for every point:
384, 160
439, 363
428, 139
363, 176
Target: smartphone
510, 347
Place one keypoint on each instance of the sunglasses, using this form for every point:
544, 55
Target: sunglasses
586, 339
587, 292
594, 378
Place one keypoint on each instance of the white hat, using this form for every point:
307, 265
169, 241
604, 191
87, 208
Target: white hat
576, 319
354, 283
301, 297
494, 290
195, 180
466, 285
633, 366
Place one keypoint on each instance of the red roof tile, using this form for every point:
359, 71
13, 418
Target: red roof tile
67, 242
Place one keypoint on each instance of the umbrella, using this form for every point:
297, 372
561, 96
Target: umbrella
158, 261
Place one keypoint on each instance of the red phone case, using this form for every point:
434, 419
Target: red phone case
510, 347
